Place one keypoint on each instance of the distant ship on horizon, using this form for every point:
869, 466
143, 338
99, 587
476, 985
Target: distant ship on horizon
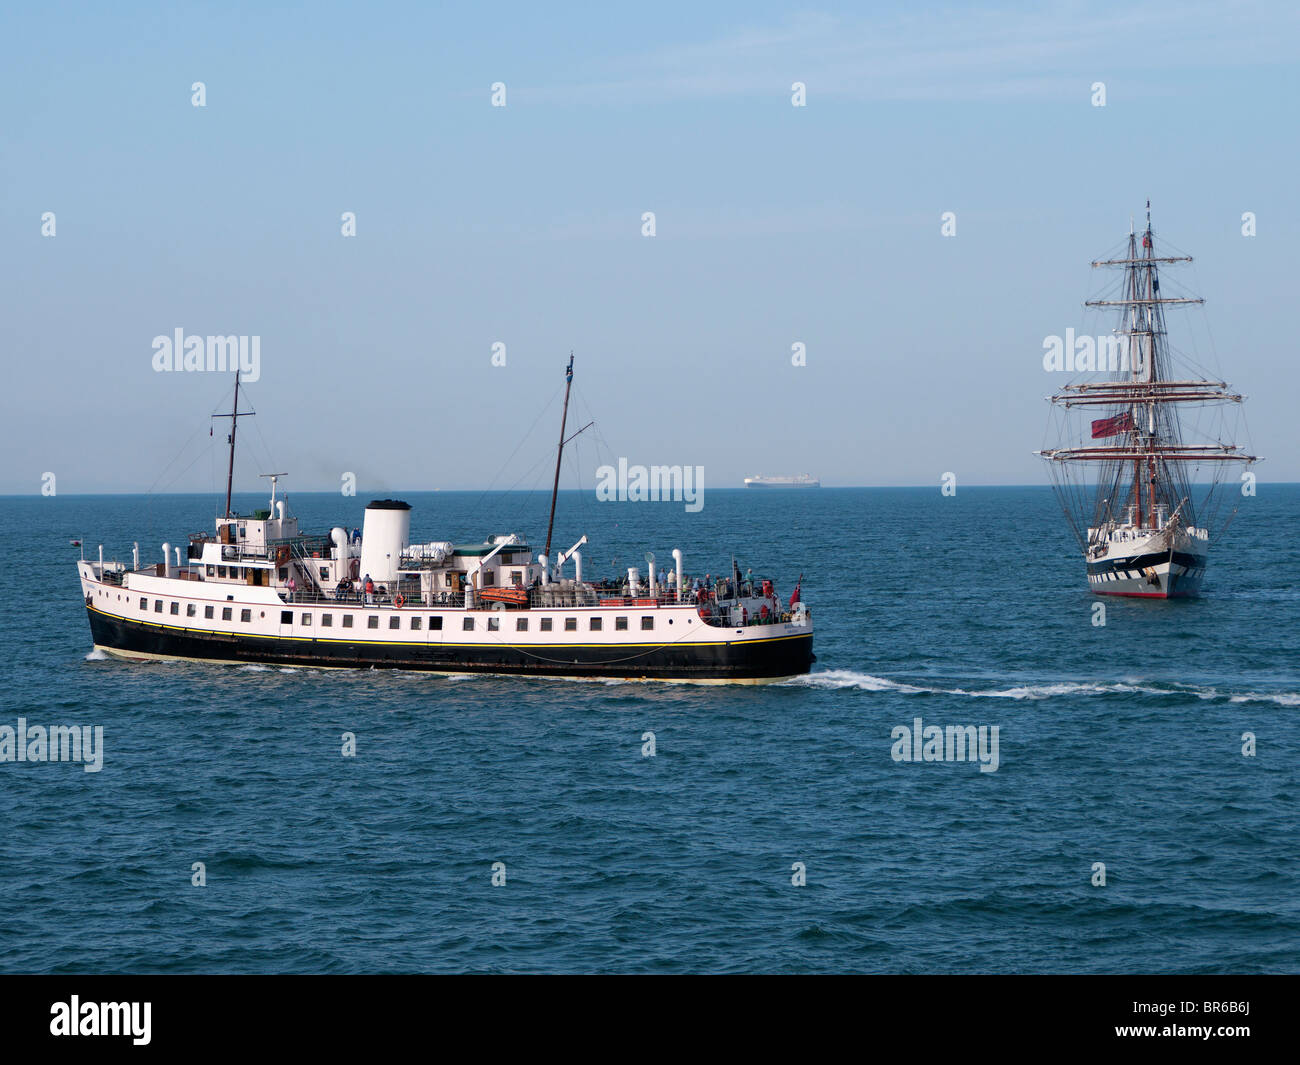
801, 480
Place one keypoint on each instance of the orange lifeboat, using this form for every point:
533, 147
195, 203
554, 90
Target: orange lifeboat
509, 596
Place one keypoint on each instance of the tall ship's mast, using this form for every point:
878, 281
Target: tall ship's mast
1140, 492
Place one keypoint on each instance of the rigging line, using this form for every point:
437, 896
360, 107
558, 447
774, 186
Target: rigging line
185, 471
600, 436
474, 507
530, 494
266, 447
176, 456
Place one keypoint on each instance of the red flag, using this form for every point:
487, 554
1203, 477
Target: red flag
1121, 423
794, 596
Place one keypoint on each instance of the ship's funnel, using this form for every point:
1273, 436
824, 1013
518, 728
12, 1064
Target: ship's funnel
384, 536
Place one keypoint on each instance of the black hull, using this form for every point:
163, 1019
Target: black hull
760, 659
1138, 562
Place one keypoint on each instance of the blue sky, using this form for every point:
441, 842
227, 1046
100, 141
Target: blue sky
522, 225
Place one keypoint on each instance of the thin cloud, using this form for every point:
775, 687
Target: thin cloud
946, 55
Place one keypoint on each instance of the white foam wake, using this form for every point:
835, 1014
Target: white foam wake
850, 679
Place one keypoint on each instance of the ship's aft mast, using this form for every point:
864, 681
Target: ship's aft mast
559, 454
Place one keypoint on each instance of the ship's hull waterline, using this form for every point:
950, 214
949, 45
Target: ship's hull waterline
1155, 576
750, 660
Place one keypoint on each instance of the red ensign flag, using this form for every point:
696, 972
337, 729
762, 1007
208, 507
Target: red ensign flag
1121, 423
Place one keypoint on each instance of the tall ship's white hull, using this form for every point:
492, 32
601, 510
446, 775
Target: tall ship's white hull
1164, 564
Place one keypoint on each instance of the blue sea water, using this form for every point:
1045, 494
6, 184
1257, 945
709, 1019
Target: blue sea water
1119, 744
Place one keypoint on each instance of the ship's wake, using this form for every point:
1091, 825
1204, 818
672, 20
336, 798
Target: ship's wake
841, 679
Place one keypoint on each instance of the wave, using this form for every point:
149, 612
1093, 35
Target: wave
1280, 698
850, 679
97, 656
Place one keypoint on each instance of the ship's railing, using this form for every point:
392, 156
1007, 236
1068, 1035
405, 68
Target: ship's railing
306, 548
382, 596
385, 597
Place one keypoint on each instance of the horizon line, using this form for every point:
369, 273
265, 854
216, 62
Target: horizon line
379, 494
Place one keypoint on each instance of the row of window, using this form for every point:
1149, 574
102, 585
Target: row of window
415, 622
191, 610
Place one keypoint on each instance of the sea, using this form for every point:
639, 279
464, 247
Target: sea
1140, 815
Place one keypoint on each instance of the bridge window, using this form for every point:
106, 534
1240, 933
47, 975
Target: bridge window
395, 622
494, 624
347, 621
306, 619
190, 610
207, 612
546, 624
144, 604
596, 624
521, 624
245, 615
620, 624
157, 606
225, 613
647, 622
570, 624
326, 621
416, 624
467, 625
372, 622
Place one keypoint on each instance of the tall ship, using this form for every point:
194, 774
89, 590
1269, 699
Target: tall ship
258, 589
801, 480
1142, 490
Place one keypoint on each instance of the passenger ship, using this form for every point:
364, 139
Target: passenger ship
1142, 492
260, 590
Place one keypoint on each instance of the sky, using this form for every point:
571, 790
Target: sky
522, 225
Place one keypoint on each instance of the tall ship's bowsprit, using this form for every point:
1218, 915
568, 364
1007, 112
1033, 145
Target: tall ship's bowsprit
1141, 490
260, 590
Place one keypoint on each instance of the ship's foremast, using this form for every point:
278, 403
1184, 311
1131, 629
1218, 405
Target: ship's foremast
234, 416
